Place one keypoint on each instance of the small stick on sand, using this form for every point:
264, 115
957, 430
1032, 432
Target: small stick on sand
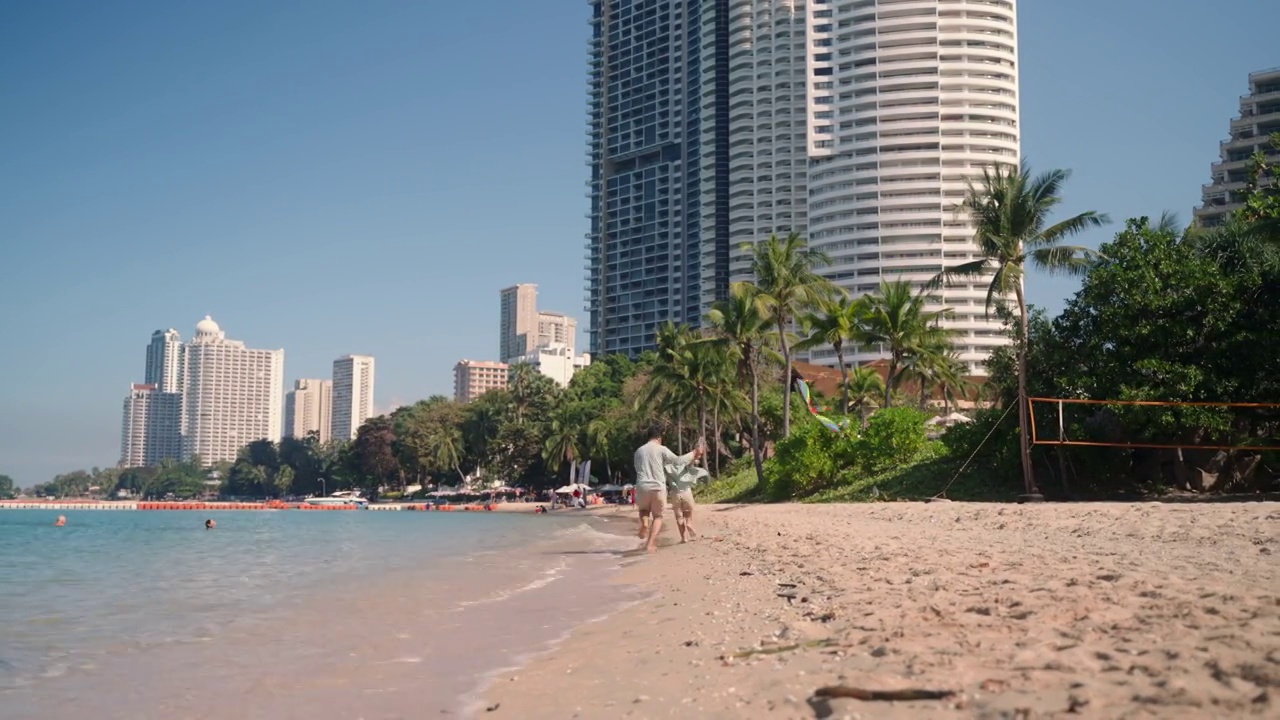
844, 691
827, 642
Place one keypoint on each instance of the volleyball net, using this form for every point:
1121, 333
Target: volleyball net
1155, 424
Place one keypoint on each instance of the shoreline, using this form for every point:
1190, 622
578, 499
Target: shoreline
1146, 610
225, 506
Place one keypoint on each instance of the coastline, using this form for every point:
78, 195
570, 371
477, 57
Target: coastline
1139, 610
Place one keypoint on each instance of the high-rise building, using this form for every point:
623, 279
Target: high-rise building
352, 395
856, 125
518, 321
768, 64
556, 329
151, 429
232, 395
659, 153
910, 101
164, 361
1250, 133
308, 409
473, 378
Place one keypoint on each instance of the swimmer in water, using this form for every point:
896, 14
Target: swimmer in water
61, 521
210, 524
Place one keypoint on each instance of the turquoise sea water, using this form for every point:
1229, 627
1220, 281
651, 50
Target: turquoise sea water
335, 614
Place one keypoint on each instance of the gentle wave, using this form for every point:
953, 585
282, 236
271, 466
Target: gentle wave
549, 576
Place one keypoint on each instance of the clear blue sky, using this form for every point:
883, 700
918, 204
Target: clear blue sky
337, 177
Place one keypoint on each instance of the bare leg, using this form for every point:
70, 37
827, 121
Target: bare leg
644, 529
654, 528
688, 524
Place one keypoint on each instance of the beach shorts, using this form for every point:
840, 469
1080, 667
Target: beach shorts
651, 501
682, 503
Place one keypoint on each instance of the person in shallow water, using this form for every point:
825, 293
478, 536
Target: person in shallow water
62, 520
210, 524
650, 462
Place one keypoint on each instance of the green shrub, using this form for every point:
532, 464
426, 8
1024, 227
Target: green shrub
893, 436
808, 459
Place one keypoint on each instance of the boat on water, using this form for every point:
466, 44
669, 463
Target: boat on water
342, 497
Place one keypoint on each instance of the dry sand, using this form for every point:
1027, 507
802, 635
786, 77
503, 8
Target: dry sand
1094, 610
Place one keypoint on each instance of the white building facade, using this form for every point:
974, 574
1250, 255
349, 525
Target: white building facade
233, 395
164, 361
473, 378
151, 429
556, 329
353, 377
557, 362
518, 321
1250, 132
308, 408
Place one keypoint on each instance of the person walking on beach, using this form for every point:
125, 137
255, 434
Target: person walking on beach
650, 461
681, 479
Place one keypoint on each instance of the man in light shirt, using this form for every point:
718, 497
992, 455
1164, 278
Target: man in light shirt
651, 461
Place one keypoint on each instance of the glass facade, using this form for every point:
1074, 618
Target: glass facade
651, 249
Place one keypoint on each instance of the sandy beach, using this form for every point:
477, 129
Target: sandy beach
1146, 610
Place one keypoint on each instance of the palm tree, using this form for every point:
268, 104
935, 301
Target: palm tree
837, 321
561, 445
599, 445
899, 321
788, 284
741, 325
444, 448
1010, 213
863, 387
951, 378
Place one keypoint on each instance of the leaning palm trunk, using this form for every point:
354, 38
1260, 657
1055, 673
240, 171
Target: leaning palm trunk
786, 380
1024, 448
702, 425
756, 455
715, 436
844, 379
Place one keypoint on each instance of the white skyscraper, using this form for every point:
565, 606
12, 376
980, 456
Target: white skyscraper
151, 429
518, 321
556, 329
925, 96
352, 395
232, 397
164, 361
308, 408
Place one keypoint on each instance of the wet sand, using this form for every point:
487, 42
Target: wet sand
1095, 610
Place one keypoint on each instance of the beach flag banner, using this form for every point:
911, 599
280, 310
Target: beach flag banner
827, 422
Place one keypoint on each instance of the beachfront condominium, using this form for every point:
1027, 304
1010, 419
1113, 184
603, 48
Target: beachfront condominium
352, 395
308, 409
856, 125
658, 148
909, 102
473, 378
164, 361
1250, 133
232, 395
151, 428
518, 320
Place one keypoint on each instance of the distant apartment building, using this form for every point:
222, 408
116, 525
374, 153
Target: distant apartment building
232, 395
164, 361
557, 362
473, 378
518, 320
151, 429
352, 395
1250, 133
308, 409
556, 329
